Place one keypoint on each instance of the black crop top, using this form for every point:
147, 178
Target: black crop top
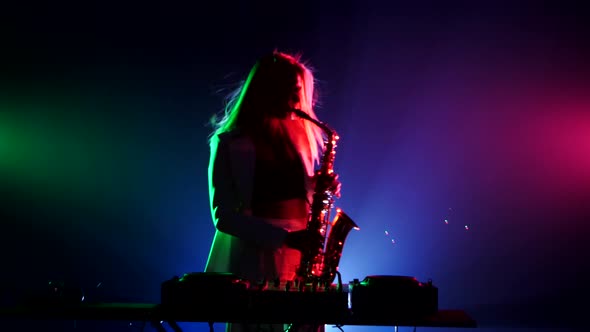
278, 175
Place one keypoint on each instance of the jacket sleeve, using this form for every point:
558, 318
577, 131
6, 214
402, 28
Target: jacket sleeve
227, 209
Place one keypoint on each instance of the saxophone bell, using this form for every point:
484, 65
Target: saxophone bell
339, 229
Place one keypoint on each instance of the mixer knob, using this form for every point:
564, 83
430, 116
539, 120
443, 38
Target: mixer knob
314, 285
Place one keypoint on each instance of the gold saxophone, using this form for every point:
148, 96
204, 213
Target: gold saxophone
319, 265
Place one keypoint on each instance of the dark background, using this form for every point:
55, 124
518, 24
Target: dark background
475, 112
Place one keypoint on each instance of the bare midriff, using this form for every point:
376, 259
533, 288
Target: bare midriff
285, 209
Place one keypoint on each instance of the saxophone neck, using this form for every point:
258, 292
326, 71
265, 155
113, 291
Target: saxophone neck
329, 131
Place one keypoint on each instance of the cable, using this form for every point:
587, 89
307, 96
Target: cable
174, 326
338, 327
339, 281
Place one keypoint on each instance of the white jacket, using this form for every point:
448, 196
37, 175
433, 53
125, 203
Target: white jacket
243, 244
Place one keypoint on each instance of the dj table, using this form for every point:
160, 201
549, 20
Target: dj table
211, 298
155, 313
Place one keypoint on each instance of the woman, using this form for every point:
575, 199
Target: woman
261, 174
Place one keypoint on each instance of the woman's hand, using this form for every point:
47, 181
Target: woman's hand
304, 240
330, 182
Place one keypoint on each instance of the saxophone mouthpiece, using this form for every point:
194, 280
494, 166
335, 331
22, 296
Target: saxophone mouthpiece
301, 114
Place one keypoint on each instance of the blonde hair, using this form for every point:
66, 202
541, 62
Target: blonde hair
248, 108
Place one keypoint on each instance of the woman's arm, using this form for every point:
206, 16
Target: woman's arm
227, 208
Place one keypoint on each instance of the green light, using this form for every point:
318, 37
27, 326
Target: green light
76, 156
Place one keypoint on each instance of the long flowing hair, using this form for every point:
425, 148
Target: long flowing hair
270, 81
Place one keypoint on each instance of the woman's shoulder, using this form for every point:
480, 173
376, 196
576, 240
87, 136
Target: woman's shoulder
228, 135
231, 137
